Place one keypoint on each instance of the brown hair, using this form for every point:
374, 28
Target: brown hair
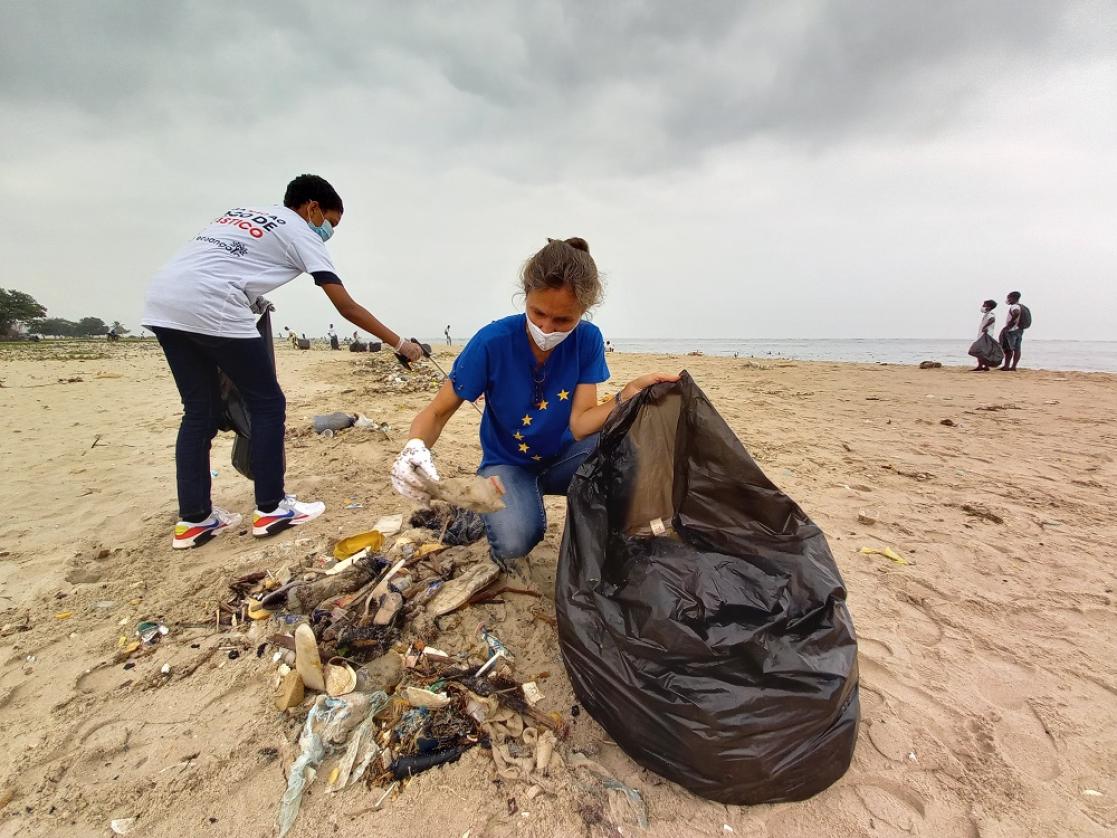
565, 264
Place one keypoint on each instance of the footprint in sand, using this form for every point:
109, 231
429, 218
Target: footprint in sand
1026, 746
1021, 737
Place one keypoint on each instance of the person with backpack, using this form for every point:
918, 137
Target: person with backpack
1018, 319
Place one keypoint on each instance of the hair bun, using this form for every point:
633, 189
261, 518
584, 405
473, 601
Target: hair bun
578, 244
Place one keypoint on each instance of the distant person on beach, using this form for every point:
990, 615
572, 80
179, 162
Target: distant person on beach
985, 349
1016, 321
449, 342
539, 373
609, 346
332, 335
200, 307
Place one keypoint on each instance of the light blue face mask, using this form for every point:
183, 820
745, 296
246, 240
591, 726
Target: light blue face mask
325, 230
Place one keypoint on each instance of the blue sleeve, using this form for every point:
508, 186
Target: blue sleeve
470, 373
593, 370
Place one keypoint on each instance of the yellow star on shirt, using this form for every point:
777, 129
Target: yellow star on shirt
543, 404
537, 457
519, 437
564, 395
527, 420
523, 448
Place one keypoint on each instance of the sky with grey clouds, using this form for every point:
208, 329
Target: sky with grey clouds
740, 169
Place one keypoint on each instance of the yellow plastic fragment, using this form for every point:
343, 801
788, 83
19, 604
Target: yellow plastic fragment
373, 540
887, 552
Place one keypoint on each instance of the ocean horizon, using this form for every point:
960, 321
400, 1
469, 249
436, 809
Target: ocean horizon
1068, 355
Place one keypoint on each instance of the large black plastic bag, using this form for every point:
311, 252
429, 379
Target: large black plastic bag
234, 412
719, 654
988, 351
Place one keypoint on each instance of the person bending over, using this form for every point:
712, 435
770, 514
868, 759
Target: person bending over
200, 307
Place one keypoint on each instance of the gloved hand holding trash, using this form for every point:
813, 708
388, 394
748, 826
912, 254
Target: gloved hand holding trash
414, 471
414, 476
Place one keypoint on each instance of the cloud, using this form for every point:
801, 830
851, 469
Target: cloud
733, 145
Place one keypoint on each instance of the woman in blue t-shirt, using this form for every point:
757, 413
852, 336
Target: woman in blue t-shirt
539, 373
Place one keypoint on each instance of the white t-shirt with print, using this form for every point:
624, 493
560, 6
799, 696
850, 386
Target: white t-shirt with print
208, 286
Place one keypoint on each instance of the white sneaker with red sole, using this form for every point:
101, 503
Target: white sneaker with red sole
189, 534
289, 513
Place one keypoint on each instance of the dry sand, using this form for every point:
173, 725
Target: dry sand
988, 664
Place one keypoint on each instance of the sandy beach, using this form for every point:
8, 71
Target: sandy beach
988, 662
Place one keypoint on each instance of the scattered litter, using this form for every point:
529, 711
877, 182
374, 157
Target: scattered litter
354, 506
307, 660
332, 422
950, 423
389, 525
930, 365
165, 669
327, 726
64, 615
887, 552
458, 591
417, 697
640, 810
372, 540
151, 632
122, 826
866, 519
532, 693
340, 678
290, 692
1092, 793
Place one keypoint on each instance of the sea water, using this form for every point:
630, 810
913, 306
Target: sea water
1082, 355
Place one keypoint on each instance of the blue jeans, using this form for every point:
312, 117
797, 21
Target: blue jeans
516, 529
194, 360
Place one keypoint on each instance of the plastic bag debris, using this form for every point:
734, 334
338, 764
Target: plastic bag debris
327, 725
635, 799
720, 653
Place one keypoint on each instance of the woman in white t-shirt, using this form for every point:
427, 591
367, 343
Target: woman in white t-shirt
201, 307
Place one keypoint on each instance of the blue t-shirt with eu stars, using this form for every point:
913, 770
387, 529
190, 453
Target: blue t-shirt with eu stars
527, 407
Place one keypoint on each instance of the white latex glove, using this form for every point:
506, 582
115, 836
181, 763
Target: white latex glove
414, 465
411, 351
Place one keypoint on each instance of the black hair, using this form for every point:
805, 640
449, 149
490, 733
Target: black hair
1014, 296
990, 304
312, 188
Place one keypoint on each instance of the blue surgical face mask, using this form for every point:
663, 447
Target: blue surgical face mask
325, 230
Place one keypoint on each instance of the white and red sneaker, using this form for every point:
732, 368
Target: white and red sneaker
188, 534
289, 513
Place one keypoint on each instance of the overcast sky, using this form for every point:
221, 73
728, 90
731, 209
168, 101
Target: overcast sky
778, 169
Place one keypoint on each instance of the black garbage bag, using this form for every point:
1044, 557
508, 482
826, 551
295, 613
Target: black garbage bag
701, 617
988, 351
234, 413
